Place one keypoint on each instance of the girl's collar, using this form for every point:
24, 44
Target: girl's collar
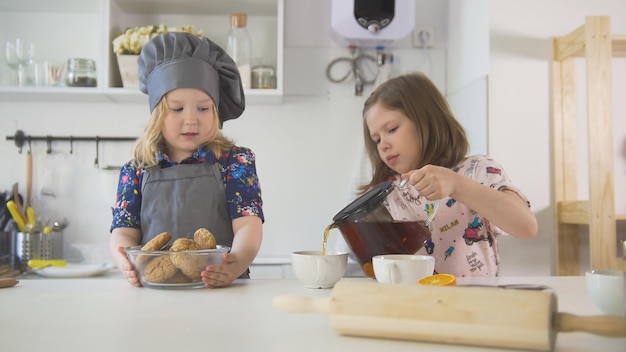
199, 155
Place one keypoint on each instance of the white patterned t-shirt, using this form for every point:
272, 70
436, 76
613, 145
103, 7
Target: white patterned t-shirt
463, 242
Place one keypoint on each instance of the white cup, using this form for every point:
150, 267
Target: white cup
402, 268
606, 288
315, 270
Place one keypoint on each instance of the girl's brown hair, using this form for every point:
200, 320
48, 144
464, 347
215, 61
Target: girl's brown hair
147, 147
443, 139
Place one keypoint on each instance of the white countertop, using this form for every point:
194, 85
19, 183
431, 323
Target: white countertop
107, 314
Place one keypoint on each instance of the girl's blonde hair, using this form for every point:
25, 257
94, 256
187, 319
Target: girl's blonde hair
147, 147
442, 138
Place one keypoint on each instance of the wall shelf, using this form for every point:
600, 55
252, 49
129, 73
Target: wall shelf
86, 28
110, 95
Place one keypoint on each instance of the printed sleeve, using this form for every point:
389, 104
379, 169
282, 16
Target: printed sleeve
243, 189
127, 208
490, 173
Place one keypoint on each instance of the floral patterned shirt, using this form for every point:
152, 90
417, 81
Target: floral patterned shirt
237, 165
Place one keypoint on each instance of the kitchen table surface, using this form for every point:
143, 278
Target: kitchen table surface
107, 314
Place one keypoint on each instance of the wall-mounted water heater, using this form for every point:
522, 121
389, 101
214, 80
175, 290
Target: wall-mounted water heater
371, 23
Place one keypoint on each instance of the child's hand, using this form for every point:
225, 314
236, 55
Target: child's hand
433, 182
224, 274
127, 269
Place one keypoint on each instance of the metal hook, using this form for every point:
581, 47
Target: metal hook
71, 144
95, 162
49, 143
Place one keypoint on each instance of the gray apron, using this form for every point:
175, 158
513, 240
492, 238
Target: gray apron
183, 198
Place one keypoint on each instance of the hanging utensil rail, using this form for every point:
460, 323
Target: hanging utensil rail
20, 138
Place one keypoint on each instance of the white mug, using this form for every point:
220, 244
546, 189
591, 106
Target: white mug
402, 268
606, 289
315, 270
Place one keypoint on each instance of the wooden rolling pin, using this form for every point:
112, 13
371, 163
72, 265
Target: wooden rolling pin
8, 282
479, 316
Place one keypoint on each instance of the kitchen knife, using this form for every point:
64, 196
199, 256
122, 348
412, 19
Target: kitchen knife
480, 316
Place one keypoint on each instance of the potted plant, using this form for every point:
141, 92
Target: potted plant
129, 43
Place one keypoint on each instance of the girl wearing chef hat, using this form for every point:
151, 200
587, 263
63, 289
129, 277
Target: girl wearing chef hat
185, 174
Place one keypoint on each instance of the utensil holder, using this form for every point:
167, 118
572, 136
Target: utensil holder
37, 245
7, 254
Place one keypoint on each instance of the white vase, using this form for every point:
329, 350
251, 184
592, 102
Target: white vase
128, 70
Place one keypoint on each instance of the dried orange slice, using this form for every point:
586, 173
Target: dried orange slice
438, 280
368, 269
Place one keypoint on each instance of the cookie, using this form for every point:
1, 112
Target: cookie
154, 244
159, 269
204, 238
184, 244
190, 264
157, 242
179, 278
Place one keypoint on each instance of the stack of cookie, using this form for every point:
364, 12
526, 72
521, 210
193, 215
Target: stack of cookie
180, 263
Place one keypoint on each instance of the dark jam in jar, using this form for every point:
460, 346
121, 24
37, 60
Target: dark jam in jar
81, 73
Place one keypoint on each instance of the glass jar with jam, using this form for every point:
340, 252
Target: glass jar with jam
81, 73
263, 77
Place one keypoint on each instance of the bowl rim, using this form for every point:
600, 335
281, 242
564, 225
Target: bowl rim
138, 250
318, 253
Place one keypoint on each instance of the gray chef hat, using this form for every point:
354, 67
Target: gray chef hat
182, 60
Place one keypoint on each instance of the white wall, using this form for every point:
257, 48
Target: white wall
519, 108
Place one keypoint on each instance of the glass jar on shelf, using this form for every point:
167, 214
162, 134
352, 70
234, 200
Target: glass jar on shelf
81, 73
263, 77
240, 47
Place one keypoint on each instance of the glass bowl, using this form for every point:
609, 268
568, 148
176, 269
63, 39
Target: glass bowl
167, 269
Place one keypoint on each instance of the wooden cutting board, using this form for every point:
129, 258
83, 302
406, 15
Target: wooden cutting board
480, 316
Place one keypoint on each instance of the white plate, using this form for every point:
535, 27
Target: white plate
75, 270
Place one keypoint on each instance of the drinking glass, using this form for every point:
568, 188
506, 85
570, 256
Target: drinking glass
27, 72
20, 55
12, 60
25, 51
